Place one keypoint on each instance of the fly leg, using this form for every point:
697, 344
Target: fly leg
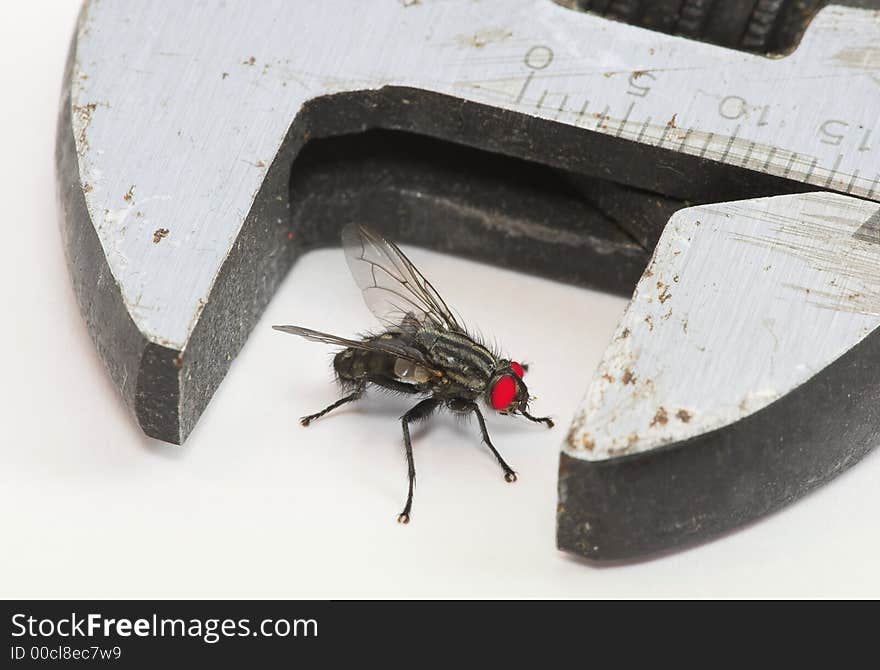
538, 419
358, 392
418, 413
509, 474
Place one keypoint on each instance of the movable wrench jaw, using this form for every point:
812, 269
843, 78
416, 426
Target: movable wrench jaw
742, 376
181, 218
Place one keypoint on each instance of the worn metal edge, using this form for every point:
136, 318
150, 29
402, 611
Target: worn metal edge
129, 358
676, 495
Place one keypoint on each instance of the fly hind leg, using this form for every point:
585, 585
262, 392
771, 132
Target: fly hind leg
418, 413
351, 397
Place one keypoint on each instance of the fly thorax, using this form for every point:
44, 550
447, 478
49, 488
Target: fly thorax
409, 372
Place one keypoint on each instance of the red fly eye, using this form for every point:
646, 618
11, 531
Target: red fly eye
503, 393
517, 369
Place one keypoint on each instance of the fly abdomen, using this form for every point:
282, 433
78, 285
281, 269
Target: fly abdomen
354, 366
410, 373
350, 365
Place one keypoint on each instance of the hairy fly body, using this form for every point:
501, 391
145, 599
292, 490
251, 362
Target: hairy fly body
424, 351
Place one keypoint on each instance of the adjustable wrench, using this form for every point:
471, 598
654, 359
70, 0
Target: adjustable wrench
188, 190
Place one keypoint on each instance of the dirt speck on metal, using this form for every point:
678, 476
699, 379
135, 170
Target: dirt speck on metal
661, 418
482, 38
82, 115
663, 289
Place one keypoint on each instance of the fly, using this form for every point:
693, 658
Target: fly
423, 351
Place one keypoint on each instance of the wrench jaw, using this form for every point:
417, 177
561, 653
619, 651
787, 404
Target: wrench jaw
740, 378
119, 342
631, 507
146, 374
167, 386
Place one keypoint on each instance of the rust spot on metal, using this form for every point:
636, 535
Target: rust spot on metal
664, 292
671, 123
177, 361
87, 188
129, 194
83, 114
684, 416
249, 61
160, 234
588, 444
608, 378
650, 322
628, 377
661, 418
638, 73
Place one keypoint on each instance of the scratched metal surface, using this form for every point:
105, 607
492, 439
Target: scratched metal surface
741, 303
178, 111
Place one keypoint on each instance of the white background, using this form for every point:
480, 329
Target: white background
255, 506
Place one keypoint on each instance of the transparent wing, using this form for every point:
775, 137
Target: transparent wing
391, 346
394, 290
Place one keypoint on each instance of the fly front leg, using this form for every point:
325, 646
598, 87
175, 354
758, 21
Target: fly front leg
418, 413
538, 419
358, 392
467, 406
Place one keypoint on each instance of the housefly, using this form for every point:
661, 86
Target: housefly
423, 351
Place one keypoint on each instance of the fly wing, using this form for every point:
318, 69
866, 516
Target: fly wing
393, 346
394, 290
